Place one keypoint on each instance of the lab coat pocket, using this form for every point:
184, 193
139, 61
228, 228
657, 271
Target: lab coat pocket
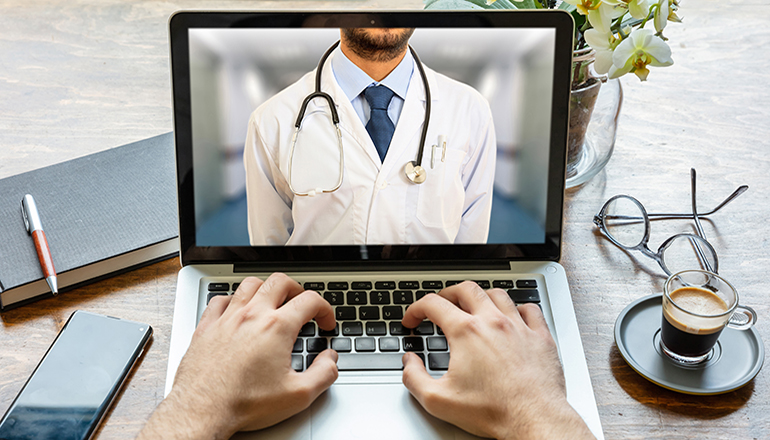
441, 197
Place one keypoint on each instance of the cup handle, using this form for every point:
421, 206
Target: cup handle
743, 318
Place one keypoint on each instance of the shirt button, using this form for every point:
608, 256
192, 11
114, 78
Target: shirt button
383, 185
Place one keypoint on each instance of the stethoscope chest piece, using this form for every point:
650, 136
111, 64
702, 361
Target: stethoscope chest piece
415, 173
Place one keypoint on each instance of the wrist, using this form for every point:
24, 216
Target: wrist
181, 416
552, 421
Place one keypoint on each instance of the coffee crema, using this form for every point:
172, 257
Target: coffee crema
700, 302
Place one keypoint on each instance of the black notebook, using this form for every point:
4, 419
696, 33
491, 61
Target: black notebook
103, 214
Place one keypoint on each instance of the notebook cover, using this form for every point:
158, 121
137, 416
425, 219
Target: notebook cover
92, 208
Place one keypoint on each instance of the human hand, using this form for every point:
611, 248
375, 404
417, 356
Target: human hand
504, 378
237, 374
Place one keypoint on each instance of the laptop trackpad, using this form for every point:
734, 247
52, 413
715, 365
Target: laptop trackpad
370, 411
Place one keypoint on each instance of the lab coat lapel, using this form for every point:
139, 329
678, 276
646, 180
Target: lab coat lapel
349, 120
405, 143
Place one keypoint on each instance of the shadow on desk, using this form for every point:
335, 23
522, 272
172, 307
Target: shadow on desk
651, 395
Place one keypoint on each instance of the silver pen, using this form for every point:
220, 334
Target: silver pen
35, 229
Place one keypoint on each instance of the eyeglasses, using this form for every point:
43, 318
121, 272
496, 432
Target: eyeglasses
625, 222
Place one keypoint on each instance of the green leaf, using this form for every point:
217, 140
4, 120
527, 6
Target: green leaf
455, 4
567, 7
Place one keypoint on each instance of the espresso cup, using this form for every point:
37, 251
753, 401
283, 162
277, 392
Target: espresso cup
697, 305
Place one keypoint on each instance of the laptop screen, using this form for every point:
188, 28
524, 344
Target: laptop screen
260, 171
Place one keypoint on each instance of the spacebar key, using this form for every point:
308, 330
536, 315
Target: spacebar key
370, 361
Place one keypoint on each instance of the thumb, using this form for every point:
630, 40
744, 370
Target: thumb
321, 374
416, 379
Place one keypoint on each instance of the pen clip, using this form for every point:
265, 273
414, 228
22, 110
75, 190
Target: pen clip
24, 216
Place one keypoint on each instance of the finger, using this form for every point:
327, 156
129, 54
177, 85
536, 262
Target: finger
213, 311
246, 290
319, 376
436, 308
419, 383
503, 302
276, 289
468, 296
533, 317
306, 306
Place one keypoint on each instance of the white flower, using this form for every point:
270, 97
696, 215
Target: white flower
635, 53
638, 8
600, 12
603, 45
661, 15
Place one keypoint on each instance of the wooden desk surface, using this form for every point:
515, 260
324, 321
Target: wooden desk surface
80, 76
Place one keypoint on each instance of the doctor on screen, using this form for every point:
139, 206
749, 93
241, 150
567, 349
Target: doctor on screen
367, 182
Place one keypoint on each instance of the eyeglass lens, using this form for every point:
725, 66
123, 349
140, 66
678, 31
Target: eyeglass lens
624, 221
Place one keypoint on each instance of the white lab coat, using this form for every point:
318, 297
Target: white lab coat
376, 203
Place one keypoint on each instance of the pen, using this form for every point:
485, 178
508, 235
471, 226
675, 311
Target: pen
35, 229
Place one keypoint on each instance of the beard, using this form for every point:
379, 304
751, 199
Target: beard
381, 47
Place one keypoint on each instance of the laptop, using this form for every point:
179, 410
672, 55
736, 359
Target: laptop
235, 80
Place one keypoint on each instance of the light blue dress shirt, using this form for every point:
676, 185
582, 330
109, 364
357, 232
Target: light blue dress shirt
353, 81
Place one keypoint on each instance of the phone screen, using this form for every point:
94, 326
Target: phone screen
72, 387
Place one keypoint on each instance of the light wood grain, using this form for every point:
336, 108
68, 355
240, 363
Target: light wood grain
80, 76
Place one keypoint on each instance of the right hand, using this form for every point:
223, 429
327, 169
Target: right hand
504, 378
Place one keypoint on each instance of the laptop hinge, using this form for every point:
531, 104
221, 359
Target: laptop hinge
364, 266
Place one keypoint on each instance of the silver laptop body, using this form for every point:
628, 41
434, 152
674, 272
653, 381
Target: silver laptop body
225, 65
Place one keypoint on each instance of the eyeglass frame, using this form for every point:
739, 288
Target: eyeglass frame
696, 240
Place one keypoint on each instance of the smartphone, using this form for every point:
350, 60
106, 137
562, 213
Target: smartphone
81, 373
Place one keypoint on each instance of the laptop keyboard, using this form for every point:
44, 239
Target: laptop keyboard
368, 335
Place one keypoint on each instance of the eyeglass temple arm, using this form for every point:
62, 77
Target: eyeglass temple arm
662, 216
698, 226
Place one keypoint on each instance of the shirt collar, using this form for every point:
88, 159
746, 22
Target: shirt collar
353, 80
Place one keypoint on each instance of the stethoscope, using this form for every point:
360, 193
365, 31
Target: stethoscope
413, 169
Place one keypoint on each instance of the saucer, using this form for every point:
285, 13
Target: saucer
736, 358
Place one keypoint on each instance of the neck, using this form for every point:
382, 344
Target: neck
377, 70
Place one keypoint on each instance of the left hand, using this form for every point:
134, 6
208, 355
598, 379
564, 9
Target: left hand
237, 373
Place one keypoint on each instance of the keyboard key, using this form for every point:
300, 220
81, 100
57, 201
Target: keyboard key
408, 285
352, 329
297, 346
392, 312
361, 285
376, 329
365, 344
439, 331
314, 286
526, 284
219, 287
342, 345
425, 328
212, 295
235, 286
389, 344
438, 361
317, 345
368, 313
307, 330
356, 298
296, 362
334, 332
437, 285
520, 296
369, 361
413, 343
345, 313
437, 343
337, 285
334, 298
310, 359
403, 297
484, 284
380, 297
503, 284
385, 285
397, 329
421, 293
453, 282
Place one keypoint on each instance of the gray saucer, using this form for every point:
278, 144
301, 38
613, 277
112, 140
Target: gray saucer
735, 360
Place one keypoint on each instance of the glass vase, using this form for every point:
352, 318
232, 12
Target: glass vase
595, 102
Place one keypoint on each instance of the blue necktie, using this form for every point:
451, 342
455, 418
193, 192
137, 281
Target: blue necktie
379, 127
